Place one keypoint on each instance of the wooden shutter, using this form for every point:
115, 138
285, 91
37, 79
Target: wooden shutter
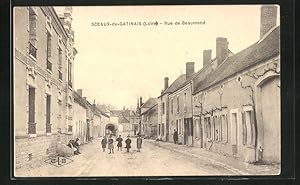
244, 132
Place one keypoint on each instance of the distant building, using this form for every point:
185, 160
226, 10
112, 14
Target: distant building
121, 120
80, 125
43, 68
149, 118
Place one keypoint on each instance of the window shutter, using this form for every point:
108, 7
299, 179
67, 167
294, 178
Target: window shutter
253, 141
244, 129
226, 131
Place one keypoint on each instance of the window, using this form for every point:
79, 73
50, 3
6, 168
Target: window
208, 128
70, 128
177, 104
32, 33
32, 50
158, 129
60, 57
177, 126
69, 73
224, 128
216, 128
49, 64
180, 127
197, 128
185, 107
163, 108
162, 129
31, 111
172, 106
234, 128
249, 134
48, 114
59, 75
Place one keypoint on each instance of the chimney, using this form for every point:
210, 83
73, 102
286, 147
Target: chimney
268, 17
190, 69
141, 101
206, 57
124, 108
166, 83
221, 49
79, 91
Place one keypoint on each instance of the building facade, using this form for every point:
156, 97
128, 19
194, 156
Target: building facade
43, 68
80, 125
149, 118
237, 107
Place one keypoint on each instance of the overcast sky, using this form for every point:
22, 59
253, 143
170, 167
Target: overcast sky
117, 64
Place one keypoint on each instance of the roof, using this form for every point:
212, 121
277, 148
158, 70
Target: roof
199, 75
149, 103
123, 115
99, 112
79, 100
175, 85
151, 109
255, 53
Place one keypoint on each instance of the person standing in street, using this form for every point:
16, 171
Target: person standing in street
175, 136
119, 140
111, 145
104, 143
128, 143
139, 143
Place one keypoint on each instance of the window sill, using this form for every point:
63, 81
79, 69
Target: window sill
32, 135
224, 142
250, 146
69, 133
48, 134
33, 58
49, 71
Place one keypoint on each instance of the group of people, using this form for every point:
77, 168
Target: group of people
108, 141
74, 144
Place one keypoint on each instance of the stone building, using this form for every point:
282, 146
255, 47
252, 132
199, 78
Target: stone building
163, 107
237, 107
80, 125
149, 118
43, 65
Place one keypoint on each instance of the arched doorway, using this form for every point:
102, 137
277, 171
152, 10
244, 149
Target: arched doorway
110, 129
268, 118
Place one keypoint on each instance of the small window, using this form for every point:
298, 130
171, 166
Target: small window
70, 128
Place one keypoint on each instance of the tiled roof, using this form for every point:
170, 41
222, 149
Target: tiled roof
151, 109
79, 100
175, 85
199, 75
257, 52
149, 103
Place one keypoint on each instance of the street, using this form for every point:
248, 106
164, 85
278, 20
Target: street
153, 160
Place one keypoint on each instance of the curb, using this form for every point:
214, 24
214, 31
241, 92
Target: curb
227, 167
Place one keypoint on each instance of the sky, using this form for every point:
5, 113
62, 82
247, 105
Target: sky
117, 64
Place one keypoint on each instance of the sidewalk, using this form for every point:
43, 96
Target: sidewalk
227, 162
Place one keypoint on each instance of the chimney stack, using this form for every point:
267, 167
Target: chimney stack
268, 17
166, 83
141, 101
124, 108
79, 91
206, 57
221, 49
190, 69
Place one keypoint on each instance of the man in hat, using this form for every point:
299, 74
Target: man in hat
128, 142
